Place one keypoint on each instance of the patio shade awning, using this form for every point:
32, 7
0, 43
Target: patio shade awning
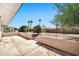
8, 11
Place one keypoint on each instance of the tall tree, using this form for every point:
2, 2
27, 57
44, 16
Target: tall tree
68, 15
55, 21
39, 21
30, 24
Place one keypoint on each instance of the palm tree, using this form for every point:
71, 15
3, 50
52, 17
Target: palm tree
30, 24
39, 21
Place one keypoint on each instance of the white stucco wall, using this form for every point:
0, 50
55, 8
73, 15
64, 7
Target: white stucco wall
7, 12
0, 33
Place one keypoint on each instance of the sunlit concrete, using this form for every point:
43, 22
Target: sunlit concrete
18, 46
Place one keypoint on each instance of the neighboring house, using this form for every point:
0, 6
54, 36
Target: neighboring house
13, 29
6, 29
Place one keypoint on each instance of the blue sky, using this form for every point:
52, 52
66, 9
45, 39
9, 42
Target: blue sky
34, 12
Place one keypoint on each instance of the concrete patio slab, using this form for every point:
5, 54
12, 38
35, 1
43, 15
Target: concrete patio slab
41, 51
24, 46
18, 46
7, 48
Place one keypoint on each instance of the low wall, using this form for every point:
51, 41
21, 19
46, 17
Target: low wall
25, 35
9, 34
22, 34
71, 47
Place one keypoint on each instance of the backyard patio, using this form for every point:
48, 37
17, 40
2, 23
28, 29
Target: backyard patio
36, 38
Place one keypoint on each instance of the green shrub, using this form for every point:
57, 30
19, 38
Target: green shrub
23, 28
37, 29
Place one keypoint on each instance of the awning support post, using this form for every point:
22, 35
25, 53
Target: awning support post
0, 28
